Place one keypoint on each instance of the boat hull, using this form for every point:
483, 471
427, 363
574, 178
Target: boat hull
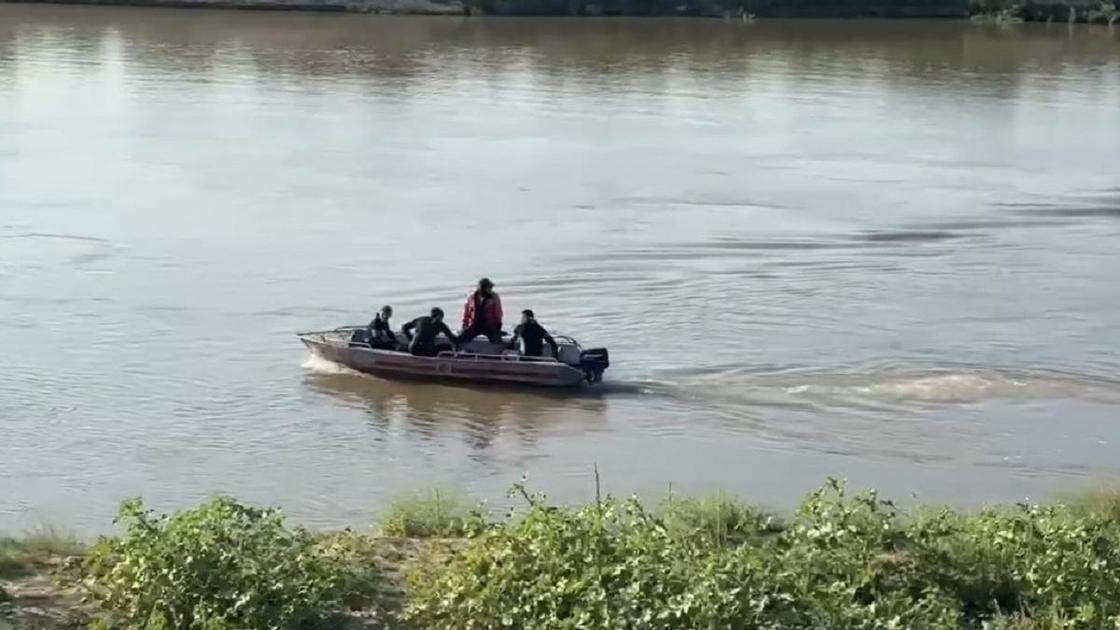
447, 366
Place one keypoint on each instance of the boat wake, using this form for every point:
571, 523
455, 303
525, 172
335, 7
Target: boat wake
939, 388
871, 389
890, 389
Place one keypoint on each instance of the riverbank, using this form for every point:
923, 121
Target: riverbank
842, 559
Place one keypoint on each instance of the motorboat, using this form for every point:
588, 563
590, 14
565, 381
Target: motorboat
479, 360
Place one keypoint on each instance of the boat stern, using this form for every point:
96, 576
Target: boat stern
594, 362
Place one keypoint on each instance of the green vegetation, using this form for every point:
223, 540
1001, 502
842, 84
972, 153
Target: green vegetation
720, 519
434, 514
1101, 502
1102, 12
222, 566
841, 561
35, 550
1005, 10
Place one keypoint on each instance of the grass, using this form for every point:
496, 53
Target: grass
1103, 500
438, 513
447, 513
35, 550
719, 518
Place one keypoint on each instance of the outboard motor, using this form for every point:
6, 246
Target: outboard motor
594, 362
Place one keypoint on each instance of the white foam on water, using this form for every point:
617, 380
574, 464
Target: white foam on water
891, 388
940, 388
318, 364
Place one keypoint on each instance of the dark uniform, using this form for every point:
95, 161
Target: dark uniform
423, 344
534, 335
381, 334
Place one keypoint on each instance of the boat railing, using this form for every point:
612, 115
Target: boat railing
340, 329
343, 339
342, 334
479, 356
566, 339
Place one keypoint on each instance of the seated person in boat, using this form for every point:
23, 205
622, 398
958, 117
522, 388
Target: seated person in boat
427, 327
532, 335
482, 314
380, 332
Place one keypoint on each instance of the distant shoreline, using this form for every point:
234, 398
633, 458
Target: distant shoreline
1005, 11
592, 8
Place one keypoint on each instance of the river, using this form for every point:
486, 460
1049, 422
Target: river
881, 250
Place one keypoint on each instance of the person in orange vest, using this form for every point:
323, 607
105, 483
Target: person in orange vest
482, 314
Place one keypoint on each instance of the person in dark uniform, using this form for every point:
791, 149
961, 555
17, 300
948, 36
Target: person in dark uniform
532, 336
380, 332
427, 327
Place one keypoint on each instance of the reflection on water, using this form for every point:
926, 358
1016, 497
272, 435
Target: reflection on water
877, 249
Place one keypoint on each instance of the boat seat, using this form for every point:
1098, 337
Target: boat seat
569, 353
481, 345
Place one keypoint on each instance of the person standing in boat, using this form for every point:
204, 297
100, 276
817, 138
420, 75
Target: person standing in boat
482, 314
380, 332
427, 327
532, 336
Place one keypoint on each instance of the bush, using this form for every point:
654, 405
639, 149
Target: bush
438, 514
596, 567
842, 561
221, 565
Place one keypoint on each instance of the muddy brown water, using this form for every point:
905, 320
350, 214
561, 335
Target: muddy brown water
881, 250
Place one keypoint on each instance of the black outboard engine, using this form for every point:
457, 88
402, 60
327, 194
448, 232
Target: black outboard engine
594, 362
